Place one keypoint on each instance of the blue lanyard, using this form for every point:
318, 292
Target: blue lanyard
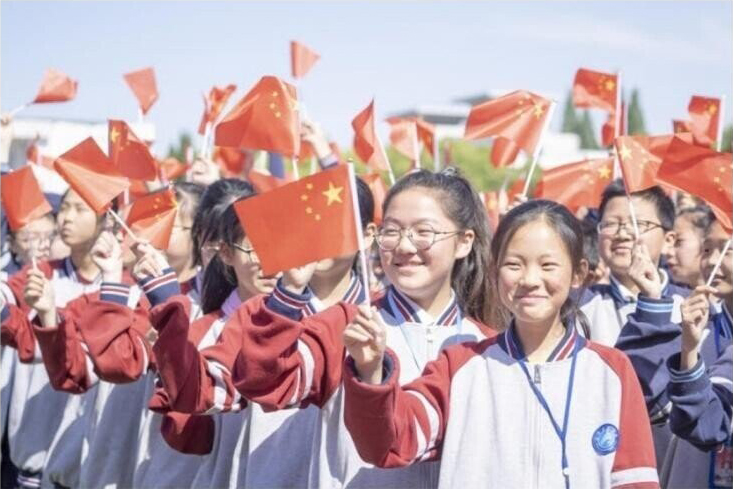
560, 433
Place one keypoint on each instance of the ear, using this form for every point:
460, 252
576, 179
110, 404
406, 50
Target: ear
464, 243
226, 254
370, 232
668, 247
580, 275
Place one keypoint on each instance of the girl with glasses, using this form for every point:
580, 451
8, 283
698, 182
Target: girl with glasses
434, 250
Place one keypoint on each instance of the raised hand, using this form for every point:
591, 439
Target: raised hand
150, 262
296, 279
644, 273
107, 255
695, 311
39, 295
365, 340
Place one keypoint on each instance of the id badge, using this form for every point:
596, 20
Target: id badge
721, 466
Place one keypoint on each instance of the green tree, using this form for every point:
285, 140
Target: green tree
727, 144
178, 150
586, 132
635, 116
569, 117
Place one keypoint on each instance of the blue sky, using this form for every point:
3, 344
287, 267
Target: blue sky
402, 53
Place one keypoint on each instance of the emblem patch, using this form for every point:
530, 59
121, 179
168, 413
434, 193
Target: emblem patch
605, 439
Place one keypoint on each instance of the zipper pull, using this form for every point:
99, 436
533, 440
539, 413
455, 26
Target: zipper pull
537, 377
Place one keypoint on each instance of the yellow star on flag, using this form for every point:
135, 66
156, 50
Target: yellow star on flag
604, 172
609, 85
538, 110
333, 194
114, 134
712, 109
625, 152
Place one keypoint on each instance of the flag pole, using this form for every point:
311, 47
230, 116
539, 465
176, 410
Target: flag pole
124, 225
436, 152
617, 125
416, 148
536, 154
359, 233
205, 140
721, 123
18, 109
294, 161
719, 262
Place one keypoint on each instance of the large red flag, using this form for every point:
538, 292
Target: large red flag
577, 184
266, 118
22, 198
503, 152
519, 116
403, 136
425, 130
128, 154
90, 174
55, 87
171, 168
142, 83
316, 211
152, 217
704, 120
703, 172
366, 142
595, 89
379, 192
302, 59
213, 105
608, 130
640, 157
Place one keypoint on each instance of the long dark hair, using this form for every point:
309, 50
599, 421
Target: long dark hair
567, 227
462, 205
216, 222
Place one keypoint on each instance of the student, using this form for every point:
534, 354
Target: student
680, 398
537, 406
34, 239
434, 250
607, 305
198, 382
38, 415
683, 261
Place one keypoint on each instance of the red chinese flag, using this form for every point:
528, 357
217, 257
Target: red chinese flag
266, 118
128, 154
171, 168
640, 157
403, 136
306, 150
142, 83
379, 192
595, 89
152, 217
305, 221
503, 152
519, 116
704, 119
366, 142
233, 162
681, 126
302, 59
425, 130
90, 174
22, 198
55, 87
213, 105
576, 184
33, 155
703, 172
516, 188
264, 183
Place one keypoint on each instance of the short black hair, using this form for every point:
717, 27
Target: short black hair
654, 195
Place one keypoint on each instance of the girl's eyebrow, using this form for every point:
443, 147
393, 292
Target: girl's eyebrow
425, 220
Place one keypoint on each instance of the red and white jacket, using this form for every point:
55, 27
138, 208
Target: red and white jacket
286, 363
474, 409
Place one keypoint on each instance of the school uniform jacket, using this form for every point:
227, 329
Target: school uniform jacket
607, 307
653, 342
474, 408
286, 363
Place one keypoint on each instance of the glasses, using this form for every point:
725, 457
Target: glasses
612, 228
422, 237
249, 251
29, 238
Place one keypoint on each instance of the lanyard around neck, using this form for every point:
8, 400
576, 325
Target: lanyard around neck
561, 433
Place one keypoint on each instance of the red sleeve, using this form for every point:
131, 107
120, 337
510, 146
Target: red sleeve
196, 381
634, 466
394, 426
68, 365
16, 331
287, 363
188, 433
116, 337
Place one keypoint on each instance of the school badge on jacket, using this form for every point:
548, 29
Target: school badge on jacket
605, 439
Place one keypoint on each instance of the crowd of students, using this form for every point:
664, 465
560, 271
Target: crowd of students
551, 352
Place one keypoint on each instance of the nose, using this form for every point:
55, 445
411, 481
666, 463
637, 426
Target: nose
707, 263
405, 246
530, 278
